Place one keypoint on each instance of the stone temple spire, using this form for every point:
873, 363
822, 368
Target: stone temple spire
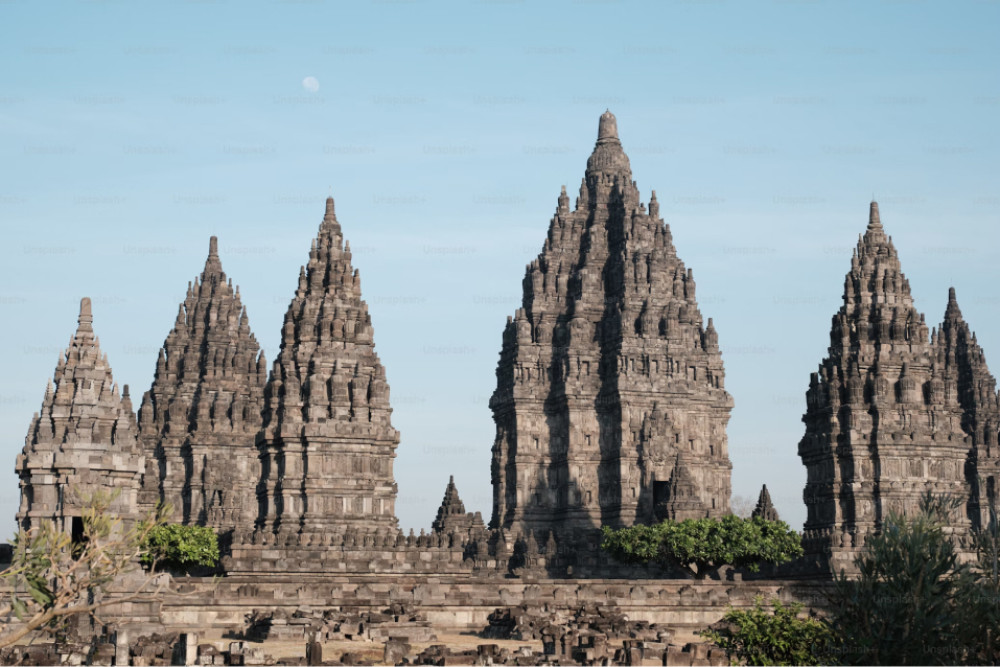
960, 363
327, 444
765, 509
890, 414
874, 221
451, 516
607, 372
82, 441
607, 128
199, 419
608, 158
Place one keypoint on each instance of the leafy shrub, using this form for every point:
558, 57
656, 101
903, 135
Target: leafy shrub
698, 544
182, 547
757, 637
53, 574
913, 602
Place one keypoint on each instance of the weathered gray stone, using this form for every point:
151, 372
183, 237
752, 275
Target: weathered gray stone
452, 517
892, 413
82, 442
610, 405
327, 402
199, 420
395, 651
765, 509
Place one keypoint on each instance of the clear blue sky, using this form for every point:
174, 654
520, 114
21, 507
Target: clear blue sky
131, 132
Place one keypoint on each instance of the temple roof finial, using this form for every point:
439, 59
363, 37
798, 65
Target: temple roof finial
607, 128
330, 211
952, 314
874, 222
213, 266
608, 156
85, 311
86, 319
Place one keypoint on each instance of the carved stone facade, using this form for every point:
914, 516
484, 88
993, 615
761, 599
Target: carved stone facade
83, 442
199, 420
610, 405
327, 444
892, 412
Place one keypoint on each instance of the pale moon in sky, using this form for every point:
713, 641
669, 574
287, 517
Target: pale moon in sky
311, 84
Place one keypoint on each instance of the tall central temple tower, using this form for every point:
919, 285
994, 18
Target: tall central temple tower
610, 405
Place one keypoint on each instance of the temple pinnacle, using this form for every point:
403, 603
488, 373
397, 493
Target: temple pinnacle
213, 266
874, 222
952, 312
607, 128
608, 156
330, 212
86, 318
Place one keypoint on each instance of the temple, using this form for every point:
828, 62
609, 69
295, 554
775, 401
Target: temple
327, 444
83, 443
893, 412
765, 508
610, 405
452, 517
199, 420
610, 410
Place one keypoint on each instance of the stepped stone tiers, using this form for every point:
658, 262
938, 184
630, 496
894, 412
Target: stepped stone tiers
610, 405
452, 517
199, 420
892, 413
82, 442
765, 509
327, 444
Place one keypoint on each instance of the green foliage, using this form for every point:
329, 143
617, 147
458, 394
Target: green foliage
913, 601
698, 544
51, 578
987, 603
182, 547
781, 637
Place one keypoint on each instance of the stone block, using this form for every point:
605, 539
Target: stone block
394, 651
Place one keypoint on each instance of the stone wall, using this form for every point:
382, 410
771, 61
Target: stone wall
465, 603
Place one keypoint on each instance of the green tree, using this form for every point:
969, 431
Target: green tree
181, 547
913, 601
700, 544
986, 602
52, 578
781, 637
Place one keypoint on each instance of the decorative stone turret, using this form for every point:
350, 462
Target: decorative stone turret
82, 442
327, 444
891, 414
452, 517
608, 374
678, 499
765, 509
963, 366
199, 420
